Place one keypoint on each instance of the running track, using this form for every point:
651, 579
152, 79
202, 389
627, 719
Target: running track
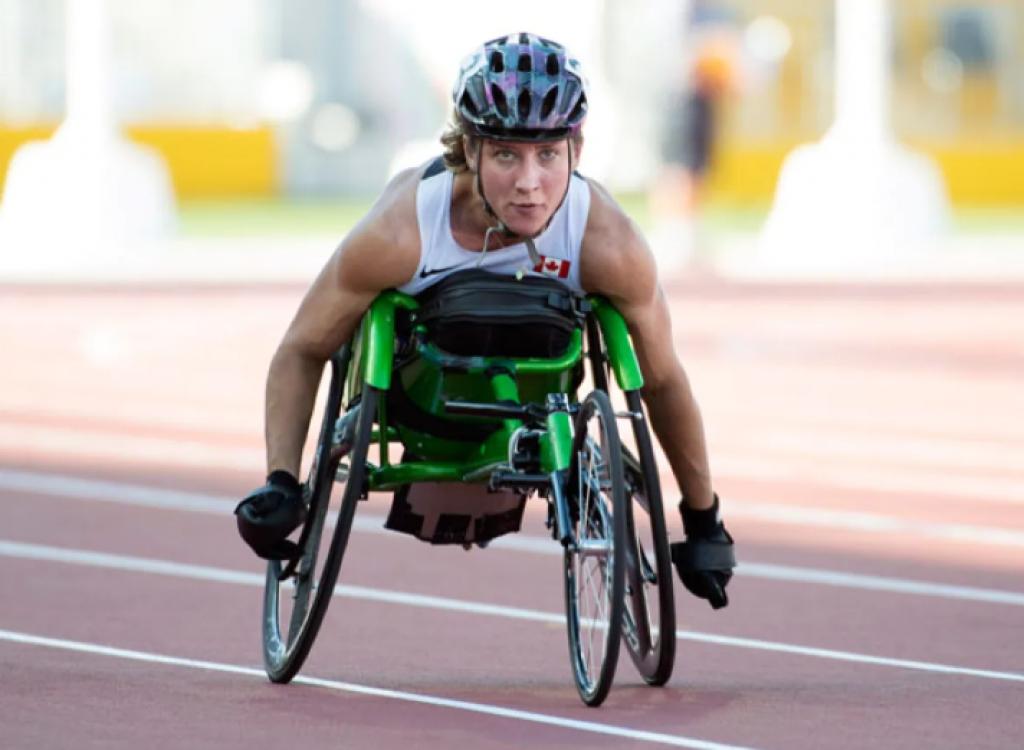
867, 442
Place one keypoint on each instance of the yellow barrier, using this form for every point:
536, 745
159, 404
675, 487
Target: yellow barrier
204, 162
976, 175
210, 162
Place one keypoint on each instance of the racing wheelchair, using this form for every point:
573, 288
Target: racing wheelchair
492, 430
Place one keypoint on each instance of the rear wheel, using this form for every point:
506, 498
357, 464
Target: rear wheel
297, 594
595, 560
649, 622
649, 629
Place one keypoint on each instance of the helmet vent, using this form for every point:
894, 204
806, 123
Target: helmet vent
524, 38
548, 105
568, 94
500, 102
523, 105
552, 65
577, 112
497, 62
525, 64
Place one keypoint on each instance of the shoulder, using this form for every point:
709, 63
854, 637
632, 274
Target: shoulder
615, 259
382, 250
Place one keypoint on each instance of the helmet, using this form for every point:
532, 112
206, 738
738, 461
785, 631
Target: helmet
521, 87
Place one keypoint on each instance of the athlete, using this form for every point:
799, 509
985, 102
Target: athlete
506, 197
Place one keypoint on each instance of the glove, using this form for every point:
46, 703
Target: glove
266, 517
706, 559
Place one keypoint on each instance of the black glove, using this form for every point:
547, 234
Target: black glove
269, 514
706, 559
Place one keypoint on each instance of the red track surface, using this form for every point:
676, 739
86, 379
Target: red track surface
874, 431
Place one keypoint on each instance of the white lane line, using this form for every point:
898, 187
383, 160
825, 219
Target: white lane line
797, 515
542, 546
220, 575
738, 462
611, 730
811, 470
131, 449
150, 497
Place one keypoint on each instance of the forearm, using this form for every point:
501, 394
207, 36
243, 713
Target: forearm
291, 394
676, 420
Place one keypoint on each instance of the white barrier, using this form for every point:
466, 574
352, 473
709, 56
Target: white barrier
857, 197
88, 191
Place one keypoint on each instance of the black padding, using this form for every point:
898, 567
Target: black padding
478, 313
436, 167
703, 555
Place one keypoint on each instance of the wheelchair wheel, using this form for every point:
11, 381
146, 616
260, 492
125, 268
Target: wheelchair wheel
649, 630
595, 564
297, 594
649, 618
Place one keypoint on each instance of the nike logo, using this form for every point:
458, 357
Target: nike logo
434, 271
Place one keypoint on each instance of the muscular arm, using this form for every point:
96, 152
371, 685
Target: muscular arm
380, 253
617, 263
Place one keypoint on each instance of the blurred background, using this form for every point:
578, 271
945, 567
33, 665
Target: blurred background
277, 117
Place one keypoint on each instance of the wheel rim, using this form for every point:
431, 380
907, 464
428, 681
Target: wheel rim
642, 614
649, 617
290, 602
593, 564
592, 571
313, 587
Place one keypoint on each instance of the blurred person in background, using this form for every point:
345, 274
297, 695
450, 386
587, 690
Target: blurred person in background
505, 197
707, 75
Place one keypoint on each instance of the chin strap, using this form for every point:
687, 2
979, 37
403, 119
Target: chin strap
531, 246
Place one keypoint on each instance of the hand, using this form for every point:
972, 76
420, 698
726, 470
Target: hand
266, 517
706, 559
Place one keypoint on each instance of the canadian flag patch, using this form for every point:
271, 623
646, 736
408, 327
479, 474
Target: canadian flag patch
553, 267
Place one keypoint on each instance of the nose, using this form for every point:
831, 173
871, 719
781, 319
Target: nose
528, 176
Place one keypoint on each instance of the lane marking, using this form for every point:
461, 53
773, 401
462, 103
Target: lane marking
744, 463
836, 578
611, 730
220, 575
150, 497
922, 452
849, 520
810, 470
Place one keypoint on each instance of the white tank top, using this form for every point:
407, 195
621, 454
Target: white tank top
558, 246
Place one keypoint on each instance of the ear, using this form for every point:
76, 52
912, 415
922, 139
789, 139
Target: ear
468, 147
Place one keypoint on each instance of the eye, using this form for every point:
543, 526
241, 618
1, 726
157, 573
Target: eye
549, 153
504, 154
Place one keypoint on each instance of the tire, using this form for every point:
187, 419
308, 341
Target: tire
649, 635
312, 588
599, 518
650, 639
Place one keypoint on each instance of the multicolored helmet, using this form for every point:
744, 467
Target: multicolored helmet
522, 87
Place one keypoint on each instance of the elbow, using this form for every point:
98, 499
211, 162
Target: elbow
672, 383
293, 353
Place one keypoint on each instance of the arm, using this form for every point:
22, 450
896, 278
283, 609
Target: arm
617, 263
381, 252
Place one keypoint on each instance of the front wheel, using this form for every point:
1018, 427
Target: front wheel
595, 559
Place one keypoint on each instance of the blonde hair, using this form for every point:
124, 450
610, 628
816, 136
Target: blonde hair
454, 139
454, 144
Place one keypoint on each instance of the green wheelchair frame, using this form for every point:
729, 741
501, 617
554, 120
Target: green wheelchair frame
604, 502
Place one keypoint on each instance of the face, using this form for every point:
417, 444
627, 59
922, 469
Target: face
524, 182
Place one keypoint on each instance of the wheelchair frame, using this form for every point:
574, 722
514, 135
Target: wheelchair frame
605, 530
